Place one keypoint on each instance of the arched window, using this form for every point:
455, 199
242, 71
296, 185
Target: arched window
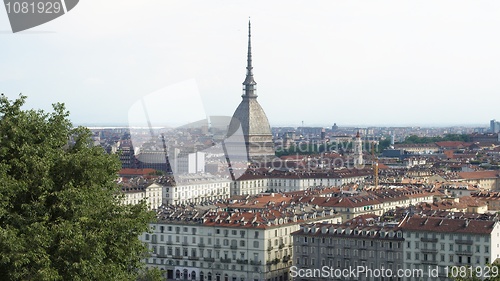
226, 277
193, 275
178, 274
185, 273
210, 276
201, 276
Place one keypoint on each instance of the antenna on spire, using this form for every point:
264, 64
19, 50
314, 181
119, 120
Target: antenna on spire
249, 82
249, 55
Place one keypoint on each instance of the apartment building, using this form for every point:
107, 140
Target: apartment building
151, 192
337, 247
373, 202
262, 180
434, 242
425, 246
196, 188
209, 244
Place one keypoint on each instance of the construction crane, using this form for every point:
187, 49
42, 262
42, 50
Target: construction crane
375, 166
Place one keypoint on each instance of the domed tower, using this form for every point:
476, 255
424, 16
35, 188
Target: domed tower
252, 118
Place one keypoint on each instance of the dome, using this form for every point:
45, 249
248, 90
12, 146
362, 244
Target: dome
252, 118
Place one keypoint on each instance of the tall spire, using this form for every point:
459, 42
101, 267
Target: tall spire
249, 82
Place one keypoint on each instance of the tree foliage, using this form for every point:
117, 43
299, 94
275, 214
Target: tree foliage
60, 213
449, 137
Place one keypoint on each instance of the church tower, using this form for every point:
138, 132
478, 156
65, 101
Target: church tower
252, 118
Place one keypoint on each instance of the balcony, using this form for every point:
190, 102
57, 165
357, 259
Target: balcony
274, 261
432, 262
233, 247
432, 240
281, 246
464, 253
228, 260
209, 259
270, 248
201, 245
161, 255
430, 251
178, 257
287, 258
255, 262
184, 243
217, 246
465, 242
169, 242
193, 258
242, 261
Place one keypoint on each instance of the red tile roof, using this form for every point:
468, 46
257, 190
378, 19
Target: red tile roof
431, 224
479, 175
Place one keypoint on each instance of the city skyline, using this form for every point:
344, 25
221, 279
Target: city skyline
354, 64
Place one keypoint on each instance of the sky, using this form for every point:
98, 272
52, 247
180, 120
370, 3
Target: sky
354, 63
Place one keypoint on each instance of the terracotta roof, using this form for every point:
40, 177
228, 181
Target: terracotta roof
431, 224
478, 175
452, 144
136, 172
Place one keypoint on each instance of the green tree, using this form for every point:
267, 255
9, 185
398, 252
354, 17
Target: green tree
448, 137
60, 211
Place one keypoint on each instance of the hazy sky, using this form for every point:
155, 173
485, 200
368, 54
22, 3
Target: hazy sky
350, 62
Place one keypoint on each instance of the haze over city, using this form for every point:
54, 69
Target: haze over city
353, 63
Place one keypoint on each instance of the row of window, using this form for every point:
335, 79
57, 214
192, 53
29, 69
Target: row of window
350, 242
454, 236
203, 253
451, 258
218, 231
451, 247
225, 242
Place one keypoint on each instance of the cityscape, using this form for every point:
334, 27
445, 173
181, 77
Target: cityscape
280, 202
293, 186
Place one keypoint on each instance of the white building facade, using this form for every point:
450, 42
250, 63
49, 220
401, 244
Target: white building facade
196, 188
219, 246
448, 244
